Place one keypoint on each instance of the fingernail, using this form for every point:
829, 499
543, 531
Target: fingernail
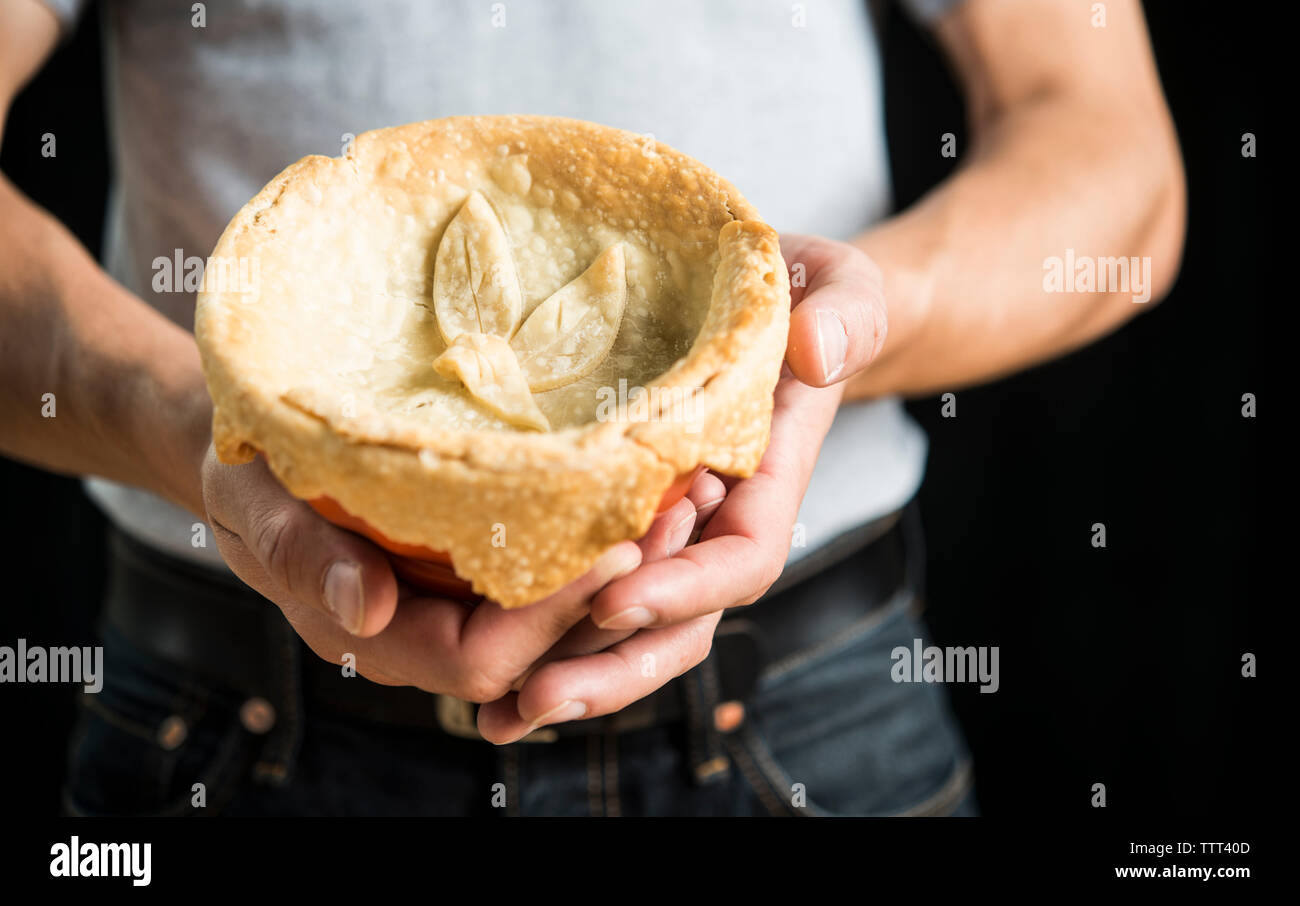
632, 618
832, 343
708, 507
618, 562
680, 533
343, 595
562, 713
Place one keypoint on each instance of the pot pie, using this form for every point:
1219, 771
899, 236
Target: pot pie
497, 340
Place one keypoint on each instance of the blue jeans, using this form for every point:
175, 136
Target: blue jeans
828, 733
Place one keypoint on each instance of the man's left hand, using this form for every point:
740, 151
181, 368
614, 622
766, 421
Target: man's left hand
657, 622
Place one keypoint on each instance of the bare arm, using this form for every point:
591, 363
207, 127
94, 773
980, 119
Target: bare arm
1073, 149
129, 401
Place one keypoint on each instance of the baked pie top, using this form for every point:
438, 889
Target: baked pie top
488, 328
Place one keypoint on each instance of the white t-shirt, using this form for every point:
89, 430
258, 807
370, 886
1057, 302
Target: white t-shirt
783, 99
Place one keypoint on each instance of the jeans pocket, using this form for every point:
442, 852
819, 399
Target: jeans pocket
833, 734
145, 740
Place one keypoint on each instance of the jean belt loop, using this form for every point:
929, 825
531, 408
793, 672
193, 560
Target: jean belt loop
705, 751
279, 751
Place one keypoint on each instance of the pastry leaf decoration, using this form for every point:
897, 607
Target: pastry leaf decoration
477, 300
570, 333
487, 366
475, 287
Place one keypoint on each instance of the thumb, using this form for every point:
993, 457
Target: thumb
312, 561
839, 322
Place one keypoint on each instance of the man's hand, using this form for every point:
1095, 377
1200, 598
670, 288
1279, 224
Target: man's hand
338, 592
658, 622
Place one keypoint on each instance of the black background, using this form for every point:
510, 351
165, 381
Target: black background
1119, 665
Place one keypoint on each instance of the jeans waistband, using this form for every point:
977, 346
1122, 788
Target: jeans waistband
220, 629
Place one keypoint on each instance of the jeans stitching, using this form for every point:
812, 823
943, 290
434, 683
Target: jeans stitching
189, 699
941, 802
216, 777
126, 724
774, 773
712, 693
946, 798
177, 705
757, 781
222, 776
278, 753
842, 638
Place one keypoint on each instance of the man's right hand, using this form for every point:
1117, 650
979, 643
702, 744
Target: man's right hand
338, 592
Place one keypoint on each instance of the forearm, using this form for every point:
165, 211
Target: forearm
964, 268
92, 380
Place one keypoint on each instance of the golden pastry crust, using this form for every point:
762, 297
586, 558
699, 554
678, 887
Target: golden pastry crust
325, 366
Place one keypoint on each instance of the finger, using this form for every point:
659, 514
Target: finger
503, 644
719, 572
472, 653
745, 545
674, 528
423, 646
599, 684
840, 319
704, 497
415, 649
584, 638
318, 564
707, 493
669, 532
419, 647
